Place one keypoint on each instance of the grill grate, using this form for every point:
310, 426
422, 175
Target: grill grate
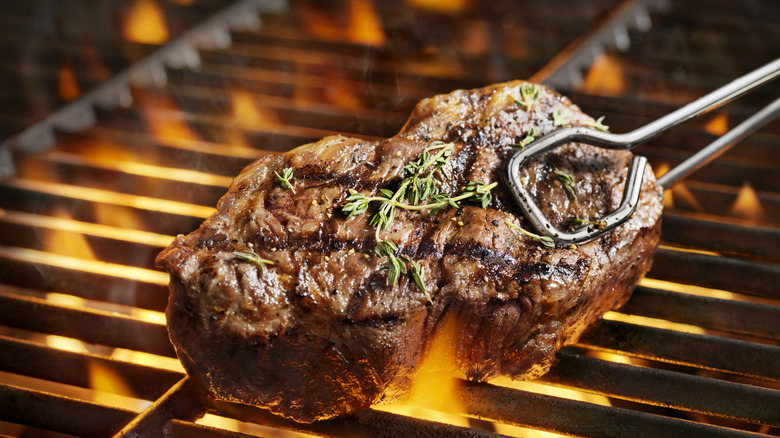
83, 346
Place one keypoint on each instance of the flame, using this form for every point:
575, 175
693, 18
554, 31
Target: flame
68, 86
449, 7
66, 242
247, 114
747, 205
606, 76
158, 123
683, 196
365, 25
145, 23
718, 125
434, 393
362, 24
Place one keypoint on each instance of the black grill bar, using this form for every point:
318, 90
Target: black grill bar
713, 313
103, 327
640, 384
35, 360
750, 277
751, 359
577, 418
59, 413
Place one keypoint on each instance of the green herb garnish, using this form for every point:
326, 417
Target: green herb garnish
417, 275
599, 125
529, 137
285, 177
251, 256
529, 94
560, 116
418, 190
574, 222
544, 240
568, 183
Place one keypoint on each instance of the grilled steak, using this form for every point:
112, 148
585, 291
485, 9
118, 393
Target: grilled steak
320, 332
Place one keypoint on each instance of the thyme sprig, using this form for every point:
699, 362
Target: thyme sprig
544, 240
253, 257
598, 124
529, 137
574, 222
568, 183
416, 272
285, 177
530, 94
415, 192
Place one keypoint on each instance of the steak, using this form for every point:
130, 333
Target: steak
317, 329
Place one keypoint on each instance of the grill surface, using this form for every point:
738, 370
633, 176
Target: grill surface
83, 346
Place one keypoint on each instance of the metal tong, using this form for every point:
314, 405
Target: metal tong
636, 171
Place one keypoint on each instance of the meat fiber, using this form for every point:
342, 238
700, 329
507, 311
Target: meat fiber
319, 332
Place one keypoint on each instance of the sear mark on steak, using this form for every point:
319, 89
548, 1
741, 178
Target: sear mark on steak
320, 333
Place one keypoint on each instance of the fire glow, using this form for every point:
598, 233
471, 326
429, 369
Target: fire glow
145, 23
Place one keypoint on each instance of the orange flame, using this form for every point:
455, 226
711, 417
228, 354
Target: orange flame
67, 85
684, 197
65, 242
145, 23
247, 114
747, 205
161, 126
718, 125
361, 25
434, 392
450, 7
606, 76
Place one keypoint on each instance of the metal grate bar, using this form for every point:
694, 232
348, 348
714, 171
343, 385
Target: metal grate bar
368, 423
34, 360
181, 401
90, 325
713, 313
578, 418
703, 232
750, 277
703, 351
60, 413
660, 387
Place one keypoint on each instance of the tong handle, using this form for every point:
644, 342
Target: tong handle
628, 140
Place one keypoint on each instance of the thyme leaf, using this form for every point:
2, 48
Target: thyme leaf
253, 257
530, 94
560, 116
529, 137
285, 177
544, 240
416, 272
574, 222
598, 124
568, 183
